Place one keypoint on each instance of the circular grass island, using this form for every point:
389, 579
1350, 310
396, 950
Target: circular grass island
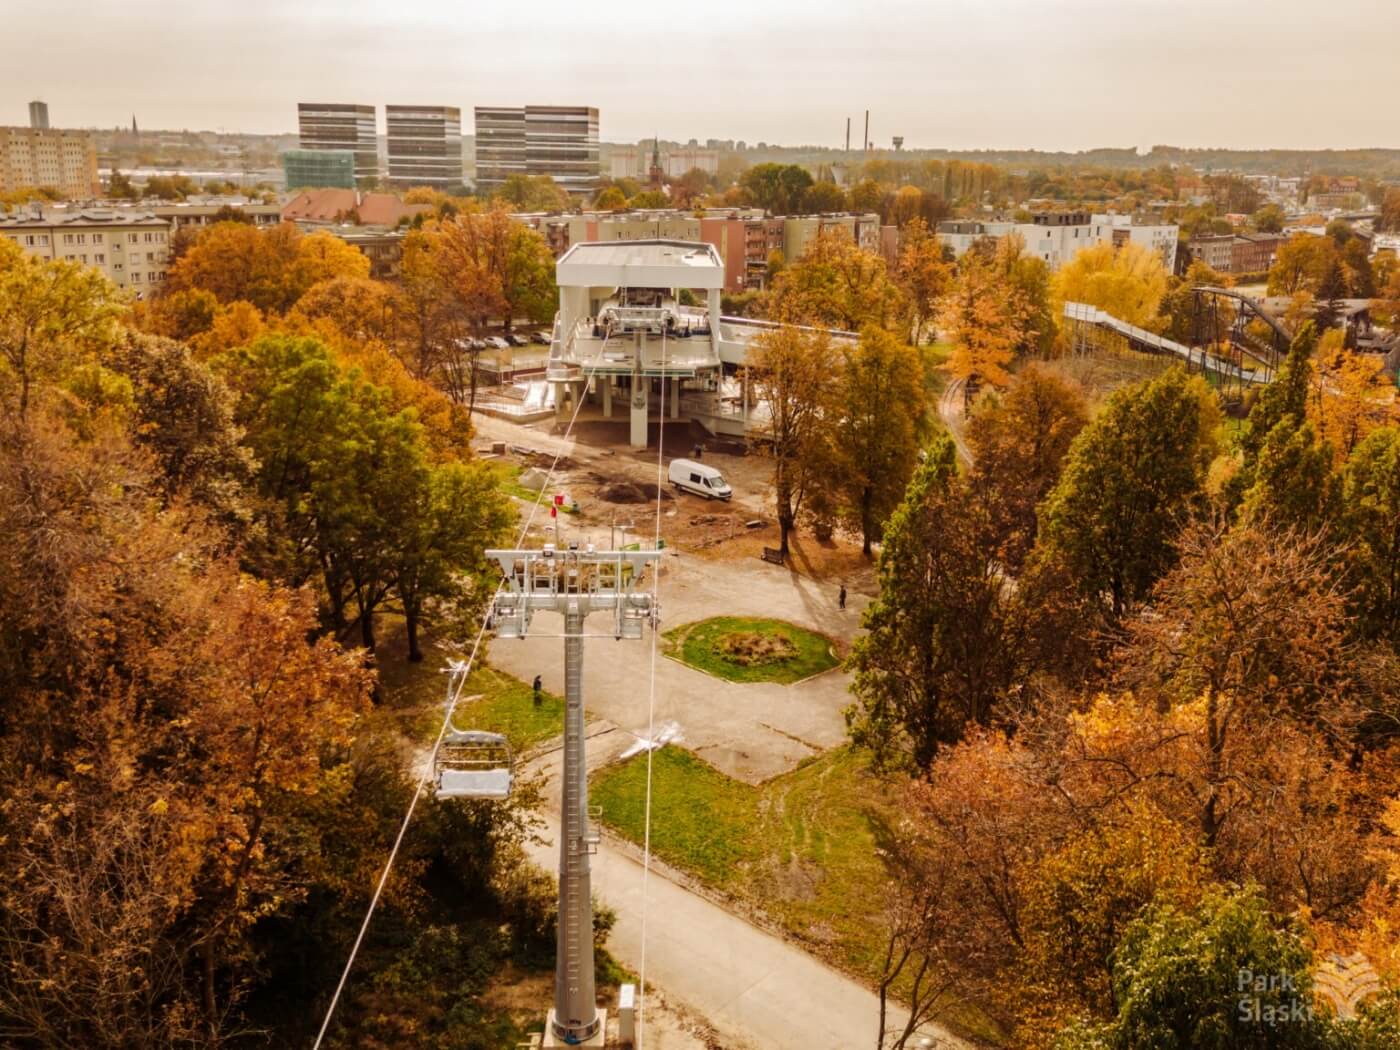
751, 649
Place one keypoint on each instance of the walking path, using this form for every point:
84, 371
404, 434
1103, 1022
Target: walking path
757, 991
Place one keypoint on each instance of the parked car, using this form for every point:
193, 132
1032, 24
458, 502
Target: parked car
516, 340
689, 476
498, 342
541, 337
477, 344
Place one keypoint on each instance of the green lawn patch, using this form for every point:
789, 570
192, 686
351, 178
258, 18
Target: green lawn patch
751, 649
509, 476
416, 693
700, 819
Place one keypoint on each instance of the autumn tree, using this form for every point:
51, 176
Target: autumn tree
1019, 440
1127, 281
881, 418
945, 632
777, 188
1301, 264
924, 275
53, 314
454, 513
793, 374
532, 193
269, 268
1132, 477
1370, 498
983, 315
836, 284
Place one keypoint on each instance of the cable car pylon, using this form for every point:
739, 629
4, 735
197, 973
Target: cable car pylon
574, 583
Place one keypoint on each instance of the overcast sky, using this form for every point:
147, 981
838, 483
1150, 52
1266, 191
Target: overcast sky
960, 74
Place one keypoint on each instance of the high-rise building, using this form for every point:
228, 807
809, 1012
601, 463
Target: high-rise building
558, 141
65, 161
39, 116
319, 168
500, 145
425, 146
342, 126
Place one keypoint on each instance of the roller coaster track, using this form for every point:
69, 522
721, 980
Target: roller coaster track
1150, 342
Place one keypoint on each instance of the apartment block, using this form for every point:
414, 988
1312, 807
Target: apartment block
744, 238
634, 162
1237, 253
425, 146
319, 169
342, 126
130, 247
39, 116
1056, 237
560, 142
65, 161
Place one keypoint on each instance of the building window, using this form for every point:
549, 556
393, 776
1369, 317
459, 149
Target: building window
131, 238
43, 240
136, 276
97, 238
67, 238
100, 259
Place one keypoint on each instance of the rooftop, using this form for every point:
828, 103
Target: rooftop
85, 217
641, 264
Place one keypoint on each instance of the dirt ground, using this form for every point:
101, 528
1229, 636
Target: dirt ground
606, 478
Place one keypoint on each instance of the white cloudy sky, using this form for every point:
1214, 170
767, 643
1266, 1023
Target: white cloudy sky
1050, 74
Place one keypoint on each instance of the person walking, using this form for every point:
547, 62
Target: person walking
841, 598
537, 690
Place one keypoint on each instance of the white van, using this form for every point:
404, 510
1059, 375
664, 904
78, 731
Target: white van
689, 475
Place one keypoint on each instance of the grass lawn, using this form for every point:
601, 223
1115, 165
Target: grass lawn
415, 694
509, 474
802, 848
751, 649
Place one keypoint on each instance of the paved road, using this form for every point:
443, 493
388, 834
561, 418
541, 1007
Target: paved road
758, 992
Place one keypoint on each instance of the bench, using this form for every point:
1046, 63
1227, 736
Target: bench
773, 555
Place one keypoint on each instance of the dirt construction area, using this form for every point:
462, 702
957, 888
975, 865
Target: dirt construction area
711, 566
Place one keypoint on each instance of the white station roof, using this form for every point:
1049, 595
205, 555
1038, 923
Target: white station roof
641, 264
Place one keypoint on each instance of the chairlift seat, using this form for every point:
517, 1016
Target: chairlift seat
473, 764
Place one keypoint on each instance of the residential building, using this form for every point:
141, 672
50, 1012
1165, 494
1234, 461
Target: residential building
130, 247
318, 168
1056, 237
39, 116
342, 126
744, 238
425, 146
65, 161
560, 142
633, 162
1237, 253
383, 247
196, 212
323, 207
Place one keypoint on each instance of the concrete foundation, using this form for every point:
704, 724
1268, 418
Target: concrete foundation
600, 1039
638, 433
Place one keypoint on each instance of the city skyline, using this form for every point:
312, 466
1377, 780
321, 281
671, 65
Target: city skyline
1011, 74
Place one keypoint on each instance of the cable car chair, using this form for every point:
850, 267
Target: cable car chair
473, 764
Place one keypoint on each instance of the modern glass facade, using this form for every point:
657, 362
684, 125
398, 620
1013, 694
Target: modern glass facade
425, 146
307, 169
558, 141
342, 126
